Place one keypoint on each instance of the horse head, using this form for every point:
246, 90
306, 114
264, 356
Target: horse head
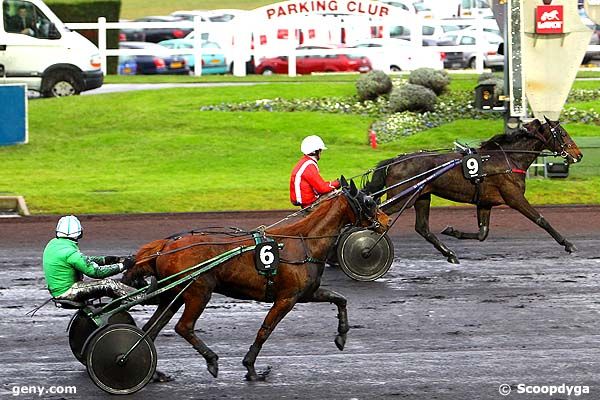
365, 211
556, 139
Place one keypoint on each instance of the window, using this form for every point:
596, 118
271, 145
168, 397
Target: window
467, 40
25, 18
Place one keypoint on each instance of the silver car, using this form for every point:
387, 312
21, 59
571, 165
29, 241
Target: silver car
467, 59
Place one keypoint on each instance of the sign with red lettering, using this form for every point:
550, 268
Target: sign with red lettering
549, 19
303, 7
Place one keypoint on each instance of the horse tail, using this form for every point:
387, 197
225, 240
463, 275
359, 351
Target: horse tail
145, 264
377, 181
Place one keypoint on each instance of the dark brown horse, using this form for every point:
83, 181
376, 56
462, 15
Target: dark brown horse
306, 243
503, 183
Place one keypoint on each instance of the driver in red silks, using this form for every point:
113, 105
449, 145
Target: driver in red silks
306, 184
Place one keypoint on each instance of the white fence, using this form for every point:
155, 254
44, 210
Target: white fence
241, 47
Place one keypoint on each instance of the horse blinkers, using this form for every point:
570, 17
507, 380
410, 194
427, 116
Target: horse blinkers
565, 147
363, 206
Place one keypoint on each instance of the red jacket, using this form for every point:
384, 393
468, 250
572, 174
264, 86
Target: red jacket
306, 184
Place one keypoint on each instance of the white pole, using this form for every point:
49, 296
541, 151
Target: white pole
197, 44
102, 43
240, 34
479, 55
292, 58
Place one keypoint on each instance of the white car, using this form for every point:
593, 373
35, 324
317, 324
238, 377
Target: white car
398, 55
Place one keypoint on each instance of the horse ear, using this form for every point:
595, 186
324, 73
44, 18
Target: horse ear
353, 188
343, 181
547, 120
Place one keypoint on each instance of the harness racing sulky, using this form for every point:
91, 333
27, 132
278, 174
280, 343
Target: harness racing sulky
280, 265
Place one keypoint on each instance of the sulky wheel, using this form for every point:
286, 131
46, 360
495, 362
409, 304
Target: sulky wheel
105, 363
359, 261
82, 326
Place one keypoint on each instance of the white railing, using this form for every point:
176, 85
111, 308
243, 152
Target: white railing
240, 51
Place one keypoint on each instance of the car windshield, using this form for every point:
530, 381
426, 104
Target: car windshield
421, 7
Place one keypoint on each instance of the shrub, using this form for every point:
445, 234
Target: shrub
372, 85
434, 79
412, 97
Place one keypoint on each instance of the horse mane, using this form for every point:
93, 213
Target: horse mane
377, 181
506, 138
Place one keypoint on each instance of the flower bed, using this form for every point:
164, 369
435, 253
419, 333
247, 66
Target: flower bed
392, 126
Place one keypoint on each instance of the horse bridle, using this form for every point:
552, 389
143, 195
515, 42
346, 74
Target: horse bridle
364, 210
556, 138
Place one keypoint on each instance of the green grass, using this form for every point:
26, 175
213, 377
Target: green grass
154, 151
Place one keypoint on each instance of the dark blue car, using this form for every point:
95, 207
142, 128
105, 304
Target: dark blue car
158, 60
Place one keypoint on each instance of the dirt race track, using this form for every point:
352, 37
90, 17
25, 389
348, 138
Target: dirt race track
517, 311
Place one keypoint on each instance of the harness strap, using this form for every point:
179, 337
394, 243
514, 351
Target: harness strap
518, 171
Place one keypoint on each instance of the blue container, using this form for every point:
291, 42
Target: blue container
13, 114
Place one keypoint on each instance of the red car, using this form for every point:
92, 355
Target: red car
307, 64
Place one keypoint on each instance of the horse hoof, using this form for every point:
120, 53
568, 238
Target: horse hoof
340, 342
253, 376
453, 260
160, 377
213, 368
448, 231
570, 247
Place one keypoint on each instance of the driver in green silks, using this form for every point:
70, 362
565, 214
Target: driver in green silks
65, 265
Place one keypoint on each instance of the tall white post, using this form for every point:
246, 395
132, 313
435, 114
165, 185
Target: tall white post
197, 43
102, 43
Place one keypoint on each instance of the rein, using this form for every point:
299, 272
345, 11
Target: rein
244, 236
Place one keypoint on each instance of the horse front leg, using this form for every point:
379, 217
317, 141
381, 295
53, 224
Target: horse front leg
279, 310
483, 220
422, 206
322, 295
522, 205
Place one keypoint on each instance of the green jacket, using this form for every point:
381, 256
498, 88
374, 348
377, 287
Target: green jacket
64, 263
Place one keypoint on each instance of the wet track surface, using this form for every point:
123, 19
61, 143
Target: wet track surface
517, 310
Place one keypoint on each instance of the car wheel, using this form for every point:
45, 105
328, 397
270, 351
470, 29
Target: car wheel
395, 68
61, 84
472, 63
267, 71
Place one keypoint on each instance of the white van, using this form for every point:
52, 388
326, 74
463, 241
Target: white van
37, 49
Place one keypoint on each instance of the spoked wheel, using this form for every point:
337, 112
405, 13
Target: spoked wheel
359, 261
82, 326
107, 366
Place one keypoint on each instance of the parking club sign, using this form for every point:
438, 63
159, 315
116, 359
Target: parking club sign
549, 19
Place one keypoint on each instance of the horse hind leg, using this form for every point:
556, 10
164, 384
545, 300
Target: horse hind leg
483, 219
422, 206
195, 302
322, 295
277, 312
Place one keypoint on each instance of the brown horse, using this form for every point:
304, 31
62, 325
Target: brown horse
503, 183
306, 243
